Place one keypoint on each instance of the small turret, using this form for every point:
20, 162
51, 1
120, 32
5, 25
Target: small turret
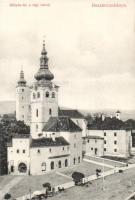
117, 115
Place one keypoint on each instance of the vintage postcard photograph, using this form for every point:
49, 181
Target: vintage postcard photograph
67, 99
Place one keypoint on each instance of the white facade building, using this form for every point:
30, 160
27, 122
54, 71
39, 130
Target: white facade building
116, 142
55, 141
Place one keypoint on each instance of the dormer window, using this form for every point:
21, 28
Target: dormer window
53, 94
47, 94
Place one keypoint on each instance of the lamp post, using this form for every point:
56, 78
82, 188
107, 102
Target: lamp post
30, 193
103, 186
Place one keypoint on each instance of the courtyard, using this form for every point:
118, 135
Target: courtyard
117, 186
34, 183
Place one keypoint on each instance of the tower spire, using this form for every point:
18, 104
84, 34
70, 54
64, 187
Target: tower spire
43, 72
22, 81
44, 58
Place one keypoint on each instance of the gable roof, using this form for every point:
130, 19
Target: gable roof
70, 113
45, 142
59, 124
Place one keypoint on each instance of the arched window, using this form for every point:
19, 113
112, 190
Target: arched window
36, 112
52, 165
47, 94
36, 127
74, 161
43, 166
79, 159
38, 95
34, 96
66, 163
59, 164
53, 94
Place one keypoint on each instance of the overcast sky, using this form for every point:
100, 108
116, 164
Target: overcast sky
91, 50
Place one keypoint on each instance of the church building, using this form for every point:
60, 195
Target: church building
55, 141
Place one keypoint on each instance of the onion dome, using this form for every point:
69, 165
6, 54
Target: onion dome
22, 81
43, 72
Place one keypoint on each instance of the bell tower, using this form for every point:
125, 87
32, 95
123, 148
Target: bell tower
22, 100
44, 97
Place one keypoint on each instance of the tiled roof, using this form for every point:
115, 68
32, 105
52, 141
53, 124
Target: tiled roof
70, 113
107, 124
59, 124
43, 142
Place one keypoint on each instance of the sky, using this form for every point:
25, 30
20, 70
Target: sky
91, 50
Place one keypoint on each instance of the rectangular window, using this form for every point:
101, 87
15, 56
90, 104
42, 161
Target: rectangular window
104, 133
104, 149
115, 134
23, 151
115, 142
91, 148
115, 150
36, 112
104, 141
50, 111
50, 150
17, 151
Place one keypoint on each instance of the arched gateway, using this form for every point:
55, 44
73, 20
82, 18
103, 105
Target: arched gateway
22, 168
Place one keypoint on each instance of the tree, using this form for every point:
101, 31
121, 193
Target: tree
7, 196
77, 177
47, 186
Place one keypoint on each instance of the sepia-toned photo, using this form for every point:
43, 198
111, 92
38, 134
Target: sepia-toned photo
67, 99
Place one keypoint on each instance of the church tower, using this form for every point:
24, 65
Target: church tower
44, 97
22, 100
